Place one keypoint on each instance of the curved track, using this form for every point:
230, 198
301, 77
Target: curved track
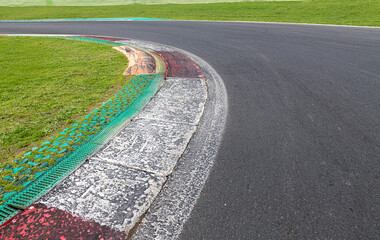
300, 154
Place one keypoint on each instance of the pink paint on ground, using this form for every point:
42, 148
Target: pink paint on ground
42, 222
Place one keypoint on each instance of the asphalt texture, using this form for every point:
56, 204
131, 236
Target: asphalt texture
300, 156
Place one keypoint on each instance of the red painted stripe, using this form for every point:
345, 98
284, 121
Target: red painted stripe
166, 70
7, 222
178, 65
41, 222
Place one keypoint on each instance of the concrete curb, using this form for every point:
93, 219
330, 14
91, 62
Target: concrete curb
133, 167
167, 215
118, 185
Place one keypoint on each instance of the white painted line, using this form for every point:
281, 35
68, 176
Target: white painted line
147, 45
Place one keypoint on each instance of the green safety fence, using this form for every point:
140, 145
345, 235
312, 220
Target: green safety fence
21, 3
26, 179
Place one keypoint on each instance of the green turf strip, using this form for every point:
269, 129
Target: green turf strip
348, 12
47, 84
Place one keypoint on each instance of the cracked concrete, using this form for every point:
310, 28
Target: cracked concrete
108, 194
125, 183
179, 100
148, 144
120, 182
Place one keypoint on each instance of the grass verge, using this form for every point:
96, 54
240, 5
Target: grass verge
344, 12
48, 83
107, 2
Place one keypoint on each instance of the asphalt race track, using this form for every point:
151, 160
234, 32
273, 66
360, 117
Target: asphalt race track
300, 157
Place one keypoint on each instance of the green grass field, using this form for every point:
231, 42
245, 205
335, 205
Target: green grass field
345, 12
21, 3
48, 83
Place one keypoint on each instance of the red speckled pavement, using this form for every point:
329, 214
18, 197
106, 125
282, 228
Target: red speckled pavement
41, 222
181, 66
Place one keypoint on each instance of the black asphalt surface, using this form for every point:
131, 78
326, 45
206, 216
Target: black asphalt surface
300, 158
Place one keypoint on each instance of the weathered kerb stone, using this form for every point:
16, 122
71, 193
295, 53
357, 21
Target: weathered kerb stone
148, 145
156, 140
179, 100
120, 182
107, 194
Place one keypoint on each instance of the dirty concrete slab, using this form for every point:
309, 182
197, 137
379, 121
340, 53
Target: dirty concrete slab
149, 145
108, 194
179, 100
